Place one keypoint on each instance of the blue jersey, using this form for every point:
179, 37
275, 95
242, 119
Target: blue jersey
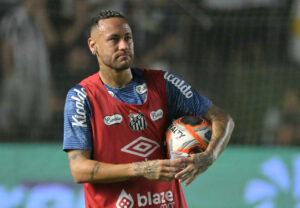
182, 100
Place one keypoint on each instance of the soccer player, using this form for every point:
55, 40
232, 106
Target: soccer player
115, 121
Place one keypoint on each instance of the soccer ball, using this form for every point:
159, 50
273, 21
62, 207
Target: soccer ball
187, 135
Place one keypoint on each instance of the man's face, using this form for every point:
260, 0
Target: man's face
113, 43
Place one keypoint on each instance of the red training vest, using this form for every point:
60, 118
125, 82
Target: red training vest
126, 133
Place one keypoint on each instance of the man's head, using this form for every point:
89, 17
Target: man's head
111, 40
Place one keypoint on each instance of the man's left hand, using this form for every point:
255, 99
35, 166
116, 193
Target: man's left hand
195, 164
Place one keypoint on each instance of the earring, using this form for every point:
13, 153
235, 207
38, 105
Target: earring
93, 52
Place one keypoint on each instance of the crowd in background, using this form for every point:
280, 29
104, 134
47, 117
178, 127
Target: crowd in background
238, 59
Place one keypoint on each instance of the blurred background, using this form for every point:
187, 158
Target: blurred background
242, 54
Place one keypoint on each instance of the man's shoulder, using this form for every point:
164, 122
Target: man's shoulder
90, 80
148, 71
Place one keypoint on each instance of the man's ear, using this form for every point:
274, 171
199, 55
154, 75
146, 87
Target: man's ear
92, 45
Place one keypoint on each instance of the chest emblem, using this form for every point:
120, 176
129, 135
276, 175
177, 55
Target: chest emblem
156, 115
137, 121
141, 89
113, 119
141, 146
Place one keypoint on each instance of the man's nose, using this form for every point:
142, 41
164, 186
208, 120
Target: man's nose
123, 44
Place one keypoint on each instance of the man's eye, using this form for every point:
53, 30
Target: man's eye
128, 38
113, 39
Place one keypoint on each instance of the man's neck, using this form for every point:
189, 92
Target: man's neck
114, 78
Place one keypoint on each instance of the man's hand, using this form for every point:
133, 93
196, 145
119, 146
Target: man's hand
164, 170
194, 166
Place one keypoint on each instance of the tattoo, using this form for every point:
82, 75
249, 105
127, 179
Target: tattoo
214, 112
150, 169
95, 170
138, 168
74, 157
168, 163
147, 169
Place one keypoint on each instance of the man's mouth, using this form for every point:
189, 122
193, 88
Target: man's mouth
123, 56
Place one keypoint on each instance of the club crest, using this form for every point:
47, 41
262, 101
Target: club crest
137, 121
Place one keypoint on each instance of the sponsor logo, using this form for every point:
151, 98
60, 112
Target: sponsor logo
141, 89
164, 199
125, 200
184, 88
176, 131
79, 119
114, 119
111, 93
156, 115
137, 121
141, 146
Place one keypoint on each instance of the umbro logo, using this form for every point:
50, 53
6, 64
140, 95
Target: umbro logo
141, 146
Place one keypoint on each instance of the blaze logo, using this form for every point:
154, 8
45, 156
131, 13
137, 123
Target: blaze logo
164, 199
125, 200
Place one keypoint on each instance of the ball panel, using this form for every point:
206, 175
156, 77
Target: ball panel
187, 135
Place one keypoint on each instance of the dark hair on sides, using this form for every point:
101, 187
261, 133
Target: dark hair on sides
105, 14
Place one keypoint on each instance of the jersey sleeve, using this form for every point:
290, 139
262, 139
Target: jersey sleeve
183, 99
77, 124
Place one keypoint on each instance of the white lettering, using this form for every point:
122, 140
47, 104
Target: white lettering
156, 115
79, 105
149, 198
142, 200
79, 119
78, 122
156, 199
176, 131
175, 81
165, 199
81, 94
169, 196
185, 89
162, 197
114, 119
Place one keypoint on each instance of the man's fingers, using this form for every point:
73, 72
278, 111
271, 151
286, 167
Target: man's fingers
182, 173
190, 180
172, 170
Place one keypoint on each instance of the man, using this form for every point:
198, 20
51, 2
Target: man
115, 122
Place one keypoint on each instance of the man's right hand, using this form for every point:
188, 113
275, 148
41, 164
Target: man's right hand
164, 170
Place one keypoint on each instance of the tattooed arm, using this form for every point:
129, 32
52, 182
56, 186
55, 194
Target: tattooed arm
222, 127
84, 169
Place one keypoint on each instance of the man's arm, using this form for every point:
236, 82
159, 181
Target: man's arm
222, 127
86, 170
